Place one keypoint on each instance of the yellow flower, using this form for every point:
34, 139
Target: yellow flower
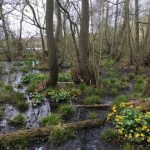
144, 127
114, 109
137, 135
130, 136
138, 120
148, 139
119, 119
122, 105
120, 131
109, 116
142, 135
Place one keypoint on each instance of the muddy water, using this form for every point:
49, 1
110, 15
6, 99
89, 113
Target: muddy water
32, 115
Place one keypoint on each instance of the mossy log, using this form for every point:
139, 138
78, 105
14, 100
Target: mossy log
45, 131
97, 106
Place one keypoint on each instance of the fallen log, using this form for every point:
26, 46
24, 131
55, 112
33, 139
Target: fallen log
45, 131
102, 106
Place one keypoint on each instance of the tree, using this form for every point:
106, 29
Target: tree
51, 44
85, 72
7, 51
137, 45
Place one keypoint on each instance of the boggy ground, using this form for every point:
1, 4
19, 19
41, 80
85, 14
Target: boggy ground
86, 106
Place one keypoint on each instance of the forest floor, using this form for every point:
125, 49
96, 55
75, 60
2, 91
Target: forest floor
72, 117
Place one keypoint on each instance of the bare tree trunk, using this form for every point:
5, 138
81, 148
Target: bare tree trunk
7, 52
114, 50
51, 44
137, 45
128, 30
84, 44
20, 32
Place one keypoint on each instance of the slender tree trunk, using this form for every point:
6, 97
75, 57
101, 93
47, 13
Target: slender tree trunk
51, 44
84, 44
137, 45
7, 52
114, 50
128, 30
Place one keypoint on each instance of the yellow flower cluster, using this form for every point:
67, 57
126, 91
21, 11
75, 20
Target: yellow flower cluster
110, 115
140, 133
147, 115
119, 119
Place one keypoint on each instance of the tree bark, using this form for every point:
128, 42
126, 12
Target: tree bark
84, 70
51, 44
7, 52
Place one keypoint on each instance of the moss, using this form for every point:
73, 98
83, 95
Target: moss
91, 100
33, 81
89, 90
22, 105
128, 146
119, 99
66, 110
64, 77
51, 119
8, 95
92, 115
131, 76
100, 91
82, 86
25, 69
114, 91
21, 144
2, 109
60, 134
109, 134
138, 88
18, 120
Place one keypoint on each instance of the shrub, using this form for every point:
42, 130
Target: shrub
25, 69
100, 91
58, 95
1, 112
18, 120
8, 87
64, 77
114, 91
60, 134
89, 90
33, 80
19, 96
138, 88
51, 119
131, 123
74, 92
109, 134
128, 146
37, 98
131, 76
120, 99
66, 110
91, 100
82, 86
28, 78
92, 115
22, 105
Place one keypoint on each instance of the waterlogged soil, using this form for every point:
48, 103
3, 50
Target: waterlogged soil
88, 139
33, 114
